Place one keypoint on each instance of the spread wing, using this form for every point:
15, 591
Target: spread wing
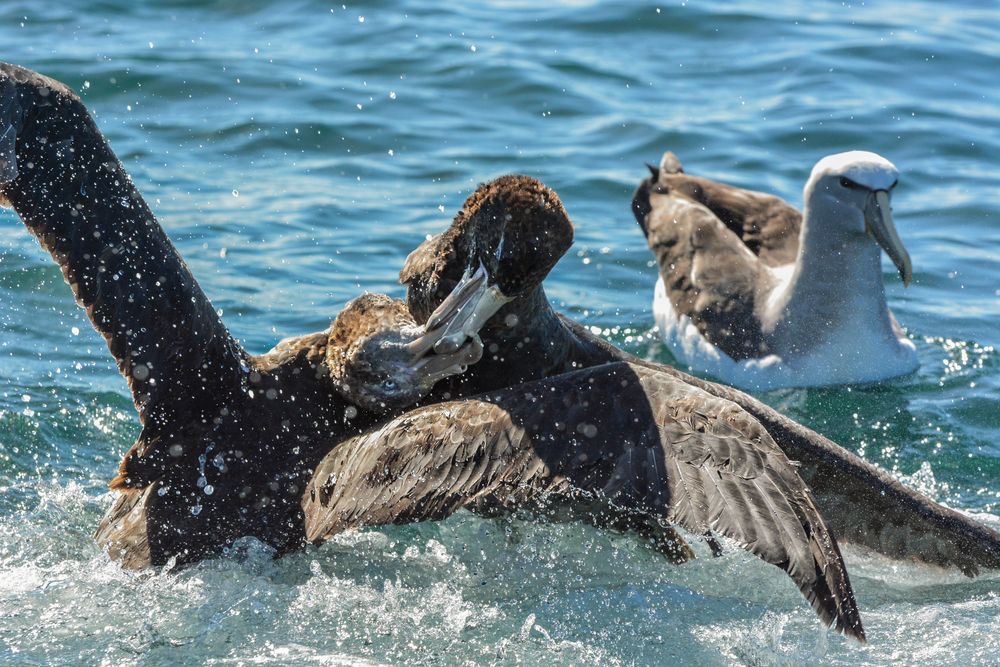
709, 273
863, 503
609, 441
74, 195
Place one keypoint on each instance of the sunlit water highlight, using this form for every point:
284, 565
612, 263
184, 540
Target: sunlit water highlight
297, 152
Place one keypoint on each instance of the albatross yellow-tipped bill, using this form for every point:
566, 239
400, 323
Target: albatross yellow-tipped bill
878, 223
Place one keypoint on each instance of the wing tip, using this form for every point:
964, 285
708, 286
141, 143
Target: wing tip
835, 604
850, 626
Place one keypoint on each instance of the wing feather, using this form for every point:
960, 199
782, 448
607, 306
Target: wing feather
709, 274
168, 341
631, 442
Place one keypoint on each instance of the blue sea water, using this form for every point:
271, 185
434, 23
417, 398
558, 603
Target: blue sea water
297, 151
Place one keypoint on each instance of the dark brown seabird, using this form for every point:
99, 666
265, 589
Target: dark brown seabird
230, 440
527, 340
619, 445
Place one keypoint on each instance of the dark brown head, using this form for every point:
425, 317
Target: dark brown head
514, 226
382, 361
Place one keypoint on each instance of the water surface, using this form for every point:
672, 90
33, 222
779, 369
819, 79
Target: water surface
296, 152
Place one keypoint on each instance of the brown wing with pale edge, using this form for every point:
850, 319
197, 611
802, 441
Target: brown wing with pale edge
863, 503
607, 441
768, 225
74, 195
709, 274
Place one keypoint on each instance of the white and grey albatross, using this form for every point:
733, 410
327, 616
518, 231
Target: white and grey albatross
761, 296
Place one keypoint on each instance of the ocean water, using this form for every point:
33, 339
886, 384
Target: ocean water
297, 151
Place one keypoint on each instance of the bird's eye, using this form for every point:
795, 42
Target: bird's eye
389, 385
849, 184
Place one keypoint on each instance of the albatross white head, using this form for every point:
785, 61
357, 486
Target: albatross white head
855, 189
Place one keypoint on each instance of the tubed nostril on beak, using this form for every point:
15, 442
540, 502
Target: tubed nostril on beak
470, 283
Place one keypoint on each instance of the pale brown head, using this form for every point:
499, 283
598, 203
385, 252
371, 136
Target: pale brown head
381, 360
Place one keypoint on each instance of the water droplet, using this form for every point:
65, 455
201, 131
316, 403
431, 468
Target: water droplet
236, 193
75, 331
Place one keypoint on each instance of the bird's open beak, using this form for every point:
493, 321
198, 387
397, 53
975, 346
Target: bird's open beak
450, 341
878, 223
465, 311
432, 367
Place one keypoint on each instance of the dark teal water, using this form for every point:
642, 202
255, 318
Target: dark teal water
296, 152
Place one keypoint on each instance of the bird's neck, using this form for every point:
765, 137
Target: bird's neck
835, 283
524, 336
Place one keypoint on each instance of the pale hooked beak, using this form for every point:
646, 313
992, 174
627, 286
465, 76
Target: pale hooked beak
465, 311
450, 341
433, 367
878, 223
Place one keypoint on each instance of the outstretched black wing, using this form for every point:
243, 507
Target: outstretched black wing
599, 443
74, 195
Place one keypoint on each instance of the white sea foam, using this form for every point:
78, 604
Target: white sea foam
467, 589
